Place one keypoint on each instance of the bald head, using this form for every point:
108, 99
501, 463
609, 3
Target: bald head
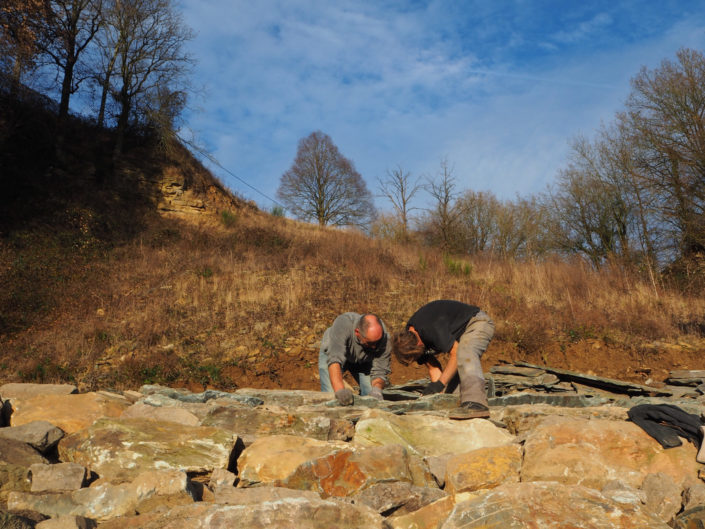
370, 327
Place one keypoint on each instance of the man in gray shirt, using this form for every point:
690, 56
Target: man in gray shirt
358, 344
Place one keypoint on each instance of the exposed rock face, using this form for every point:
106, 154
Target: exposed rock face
165, 458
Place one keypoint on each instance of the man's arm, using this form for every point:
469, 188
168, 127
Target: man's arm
336, 376
451, 367
433, 365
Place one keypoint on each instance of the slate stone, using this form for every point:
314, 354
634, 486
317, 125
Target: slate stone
284, 397
210, 394
684, 377
395, 395
251, 423
518, 382
437, 402
616, 386
563, 401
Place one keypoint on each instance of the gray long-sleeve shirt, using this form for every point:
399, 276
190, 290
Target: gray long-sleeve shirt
342, 347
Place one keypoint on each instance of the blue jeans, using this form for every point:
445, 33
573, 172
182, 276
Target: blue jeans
357, 371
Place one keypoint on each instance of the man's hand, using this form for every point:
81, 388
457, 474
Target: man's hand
344, 397
376, 393
433, 387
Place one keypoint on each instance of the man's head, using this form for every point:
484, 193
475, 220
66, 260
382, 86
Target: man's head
407, 346
369, 330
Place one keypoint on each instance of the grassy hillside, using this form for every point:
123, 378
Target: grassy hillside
103, 290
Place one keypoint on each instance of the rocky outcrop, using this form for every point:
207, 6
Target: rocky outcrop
255, 458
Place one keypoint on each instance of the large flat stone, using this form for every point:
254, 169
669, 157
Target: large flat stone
593, 452
286, 397
69, 412
59, 477
346, 472
250, 423
106, 501
41, 435
424, 435
120, 449
547, 506
524, 418
19, 453
18, 390
286, 513
275, 458
140, 410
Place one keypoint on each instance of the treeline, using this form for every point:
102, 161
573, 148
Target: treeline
125, 58
633, 194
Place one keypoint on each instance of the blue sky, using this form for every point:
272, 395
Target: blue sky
498, 88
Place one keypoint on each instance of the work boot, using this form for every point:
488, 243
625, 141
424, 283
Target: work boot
470, 410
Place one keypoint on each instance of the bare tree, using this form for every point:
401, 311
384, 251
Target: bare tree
478, 223
108, 41
322, 185
399, 188
69, 29
444, 216
150, 36
666, 112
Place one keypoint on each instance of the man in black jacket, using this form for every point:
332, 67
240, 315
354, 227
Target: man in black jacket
464, 331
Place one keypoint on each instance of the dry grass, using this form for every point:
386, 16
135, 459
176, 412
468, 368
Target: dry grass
244, 304
99, 290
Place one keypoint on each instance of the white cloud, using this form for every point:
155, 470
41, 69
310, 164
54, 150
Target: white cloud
409, 83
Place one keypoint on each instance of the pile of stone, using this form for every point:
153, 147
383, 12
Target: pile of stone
556, 452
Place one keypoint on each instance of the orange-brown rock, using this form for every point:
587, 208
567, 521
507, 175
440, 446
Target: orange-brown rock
71, 413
